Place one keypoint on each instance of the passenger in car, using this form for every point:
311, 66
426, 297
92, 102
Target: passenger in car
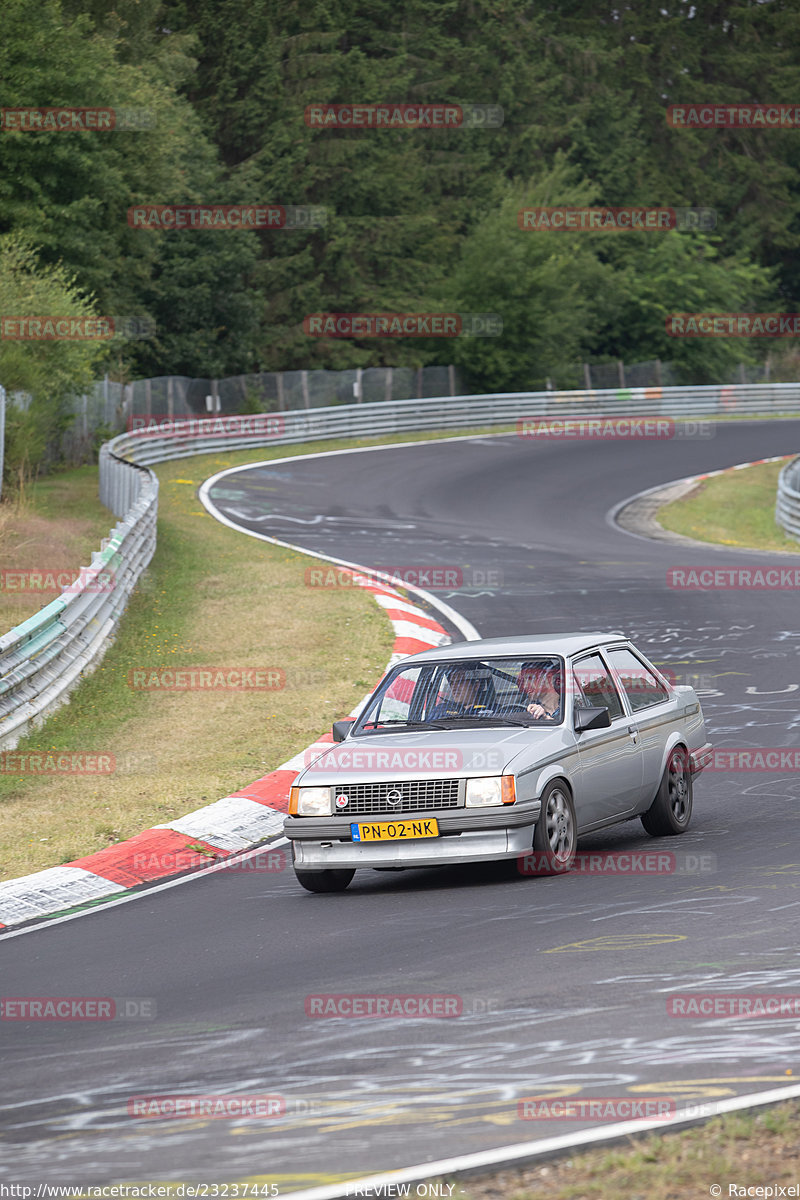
542, 687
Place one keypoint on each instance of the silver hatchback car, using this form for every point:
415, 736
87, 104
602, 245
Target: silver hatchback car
496, 749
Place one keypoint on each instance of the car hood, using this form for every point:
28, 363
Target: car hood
444, 753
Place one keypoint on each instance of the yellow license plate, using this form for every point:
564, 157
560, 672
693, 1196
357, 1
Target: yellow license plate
394, 831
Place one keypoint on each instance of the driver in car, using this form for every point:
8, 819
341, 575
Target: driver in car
541, 685
464, 691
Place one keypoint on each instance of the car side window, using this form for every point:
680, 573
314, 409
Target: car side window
639, 683
594, 686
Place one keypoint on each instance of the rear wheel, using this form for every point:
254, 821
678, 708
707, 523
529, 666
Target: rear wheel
555, 834
671, 810
325, 881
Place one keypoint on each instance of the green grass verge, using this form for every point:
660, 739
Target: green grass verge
734, 509
746, 1150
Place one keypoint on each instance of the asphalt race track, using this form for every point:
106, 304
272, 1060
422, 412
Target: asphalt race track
564, 981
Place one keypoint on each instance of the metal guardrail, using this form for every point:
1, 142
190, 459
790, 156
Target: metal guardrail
45, 656
199, 435
787, 505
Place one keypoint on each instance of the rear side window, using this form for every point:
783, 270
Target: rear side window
638, 682
594, 686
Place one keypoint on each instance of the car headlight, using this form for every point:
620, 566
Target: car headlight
310, 801
495, 789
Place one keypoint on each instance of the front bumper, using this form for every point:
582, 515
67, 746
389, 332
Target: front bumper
700, 759
464, 837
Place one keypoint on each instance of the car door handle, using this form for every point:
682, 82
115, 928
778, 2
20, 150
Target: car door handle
634, 732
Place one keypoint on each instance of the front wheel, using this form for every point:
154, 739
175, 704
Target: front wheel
555, 834
325, 881
671, 810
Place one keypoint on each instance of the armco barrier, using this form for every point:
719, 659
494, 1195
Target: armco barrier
42, 659
45, 656
787, 506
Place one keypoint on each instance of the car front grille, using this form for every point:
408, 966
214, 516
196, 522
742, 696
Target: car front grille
416, 795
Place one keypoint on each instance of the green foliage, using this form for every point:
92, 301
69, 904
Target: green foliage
416, 219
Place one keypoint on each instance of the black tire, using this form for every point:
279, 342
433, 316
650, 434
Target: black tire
671, 811
335, 880
555, 834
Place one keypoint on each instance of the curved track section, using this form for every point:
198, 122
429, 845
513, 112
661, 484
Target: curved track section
564, 981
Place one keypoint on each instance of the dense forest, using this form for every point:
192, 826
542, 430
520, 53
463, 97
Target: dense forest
416, 219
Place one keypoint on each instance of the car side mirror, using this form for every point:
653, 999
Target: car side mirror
341, 728
594, 717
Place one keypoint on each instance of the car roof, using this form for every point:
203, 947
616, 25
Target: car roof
522, 646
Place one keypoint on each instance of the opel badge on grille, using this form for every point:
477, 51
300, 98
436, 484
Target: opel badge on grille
394, 797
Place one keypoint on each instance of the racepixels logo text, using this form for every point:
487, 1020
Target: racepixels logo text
387, 115
21, 580
625, 428
227, 216
77, 1008
206, 679
215, 1107
732, 324
337, 1004
593, 220
438, 577
756, 1005
261, 425
733, 116
748, 579
56, 762
599, 1108
396, 325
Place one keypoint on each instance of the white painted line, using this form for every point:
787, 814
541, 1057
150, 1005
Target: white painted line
148, 891
465, 627
518, 1154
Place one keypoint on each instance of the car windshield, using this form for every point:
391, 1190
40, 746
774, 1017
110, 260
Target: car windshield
468, 693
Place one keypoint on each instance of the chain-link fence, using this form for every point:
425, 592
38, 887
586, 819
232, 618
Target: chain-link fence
110, 408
